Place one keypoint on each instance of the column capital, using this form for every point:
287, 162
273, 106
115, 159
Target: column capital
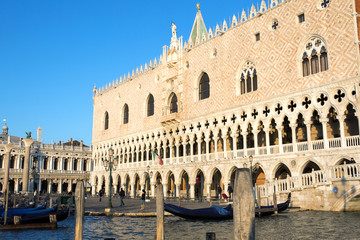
28, 142
8, 148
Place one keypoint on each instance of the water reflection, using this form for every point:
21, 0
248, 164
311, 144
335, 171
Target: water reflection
297, 225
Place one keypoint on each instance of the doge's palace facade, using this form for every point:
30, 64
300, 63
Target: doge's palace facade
278, 87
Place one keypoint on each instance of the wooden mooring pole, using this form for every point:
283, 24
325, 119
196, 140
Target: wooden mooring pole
244, 205
79, 205
275, 204
160, 212
259, 200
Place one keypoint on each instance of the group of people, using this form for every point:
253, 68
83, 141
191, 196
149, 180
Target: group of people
122, 195
219, 191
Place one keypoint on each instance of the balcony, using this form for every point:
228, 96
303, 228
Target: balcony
310, 146
170, 119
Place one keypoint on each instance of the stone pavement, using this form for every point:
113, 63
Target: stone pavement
92, 204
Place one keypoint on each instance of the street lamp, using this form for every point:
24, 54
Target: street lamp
148, 176
251, 166
109, 165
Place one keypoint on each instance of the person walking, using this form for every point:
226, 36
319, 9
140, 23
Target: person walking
230, 190
101, 193
122, 195
219, 191
143, 200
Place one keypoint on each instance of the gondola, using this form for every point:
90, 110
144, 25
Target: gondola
39, 216
219, 213
20, 210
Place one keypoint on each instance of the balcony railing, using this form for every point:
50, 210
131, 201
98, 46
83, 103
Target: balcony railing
316, 145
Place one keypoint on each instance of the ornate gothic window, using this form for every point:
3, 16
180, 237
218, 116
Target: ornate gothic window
173, 104
126, 114
315, 58
248, 80
106, 121
150, 105
204, 87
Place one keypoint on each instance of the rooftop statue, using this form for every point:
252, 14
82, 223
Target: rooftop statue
28, 135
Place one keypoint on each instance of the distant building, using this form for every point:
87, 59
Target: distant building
56, 167
278, 86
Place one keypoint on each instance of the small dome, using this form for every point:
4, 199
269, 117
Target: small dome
5, 129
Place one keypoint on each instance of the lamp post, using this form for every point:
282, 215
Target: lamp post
148, 177
109, 165
251, 166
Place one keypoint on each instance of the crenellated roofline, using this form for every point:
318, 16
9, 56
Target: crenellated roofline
198, 36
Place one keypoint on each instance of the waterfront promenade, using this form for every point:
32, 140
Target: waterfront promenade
132, 205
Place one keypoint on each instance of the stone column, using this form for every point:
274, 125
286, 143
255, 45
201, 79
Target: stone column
49, 185
234, 135
177, 192
208, 191
165, 190
308, 135
293, 136
342, 131
207, 140
191, 142
244, 134
18, 165
281, 150
28, 142
177, 151
267, 139
60, 182
132, 192
171, 145
69, 186
16, 185
152, 190
199, 148
192, 191
324, 128
216, 145
255, 132
224, 135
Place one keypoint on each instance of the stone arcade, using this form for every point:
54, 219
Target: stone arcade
55, 167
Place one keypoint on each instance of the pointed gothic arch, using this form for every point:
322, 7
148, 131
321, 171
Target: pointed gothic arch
125, 114
173, 103
150, 105
106, 121
204, 86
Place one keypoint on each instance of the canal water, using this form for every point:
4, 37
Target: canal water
292, 225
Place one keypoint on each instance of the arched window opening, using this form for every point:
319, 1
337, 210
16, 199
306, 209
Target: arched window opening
204, 87
306, 65
323, 60
173, 104
314, 62
242, 85
126, 114
248, 79
150, 106
106, 125
315, 57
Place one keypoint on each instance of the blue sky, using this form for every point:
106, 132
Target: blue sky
52, 53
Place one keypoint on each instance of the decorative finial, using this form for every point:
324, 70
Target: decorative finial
198, 6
